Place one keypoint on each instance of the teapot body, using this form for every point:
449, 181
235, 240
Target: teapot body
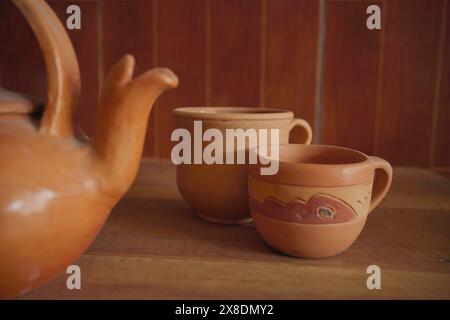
51, 205
56, 192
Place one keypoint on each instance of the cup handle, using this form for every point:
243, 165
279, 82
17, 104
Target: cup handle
297, 122
382, 181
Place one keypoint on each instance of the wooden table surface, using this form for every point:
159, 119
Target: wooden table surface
154, 247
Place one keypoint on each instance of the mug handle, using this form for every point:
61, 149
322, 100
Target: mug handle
382, 181
297, 122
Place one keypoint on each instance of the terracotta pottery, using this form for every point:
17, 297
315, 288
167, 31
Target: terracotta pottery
218, 192
56, 192
317, 203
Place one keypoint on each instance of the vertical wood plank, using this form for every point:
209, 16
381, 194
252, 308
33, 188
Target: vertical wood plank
21, 63
85, 42
127, 28
181, 32
404, 120
442, 143
291, 57
350, 76
235, 52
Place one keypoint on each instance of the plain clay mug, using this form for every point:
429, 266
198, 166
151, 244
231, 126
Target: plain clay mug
219, 192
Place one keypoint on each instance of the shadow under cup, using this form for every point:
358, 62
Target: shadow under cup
318, 202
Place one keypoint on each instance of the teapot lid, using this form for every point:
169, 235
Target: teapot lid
17, 103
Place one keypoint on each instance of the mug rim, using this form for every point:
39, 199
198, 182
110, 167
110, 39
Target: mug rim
232, 113
317, 174
363, 156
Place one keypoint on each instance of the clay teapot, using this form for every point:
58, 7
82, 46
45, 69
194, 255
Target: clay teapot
55, 190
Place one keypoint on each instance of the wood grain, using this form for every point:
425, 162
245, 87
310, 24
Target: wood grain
154, 247
442, 144
132, 230
182, 48
134, 277
235, 52
291, 57
404, 123
128, 28
350, 76
415, 188
445, 174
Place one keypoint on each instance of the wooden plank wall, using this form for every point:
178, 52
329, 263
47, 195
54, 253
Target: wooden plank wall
385, 92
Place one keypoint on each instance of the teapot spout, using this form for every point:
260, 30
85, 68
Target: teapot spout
122, 117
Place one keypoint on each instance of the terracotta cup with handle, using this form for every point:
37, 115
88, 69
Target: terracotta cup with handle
318, 202
218, 192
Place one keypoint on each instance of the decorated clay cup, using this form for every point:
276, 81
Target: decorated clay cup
219, 192
318, 202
